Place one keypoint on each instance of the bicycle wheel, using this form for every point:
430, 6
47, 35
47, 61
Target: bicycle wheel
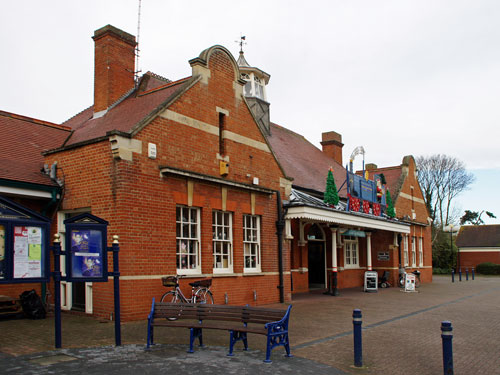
401, 281
203, 295
170, 297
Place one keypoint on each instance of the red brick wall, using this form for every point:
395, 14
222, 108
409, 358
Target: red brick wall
472, 259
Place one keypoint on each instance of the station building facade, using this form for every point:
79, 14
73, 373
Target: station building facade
196, 181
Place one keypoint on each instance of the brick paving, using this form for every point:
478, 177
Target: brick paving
401, 331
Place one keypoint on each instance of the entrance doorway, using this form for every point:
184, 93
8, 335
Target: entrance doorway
76, 295
316, 262
78, 302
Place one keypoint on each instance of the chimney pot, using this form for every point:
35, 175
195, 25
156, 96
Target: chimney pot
331, 143
114, 66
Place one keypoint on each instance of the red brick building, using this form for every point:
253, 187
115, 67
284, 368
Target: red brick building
182, 173
478, 244
193, 177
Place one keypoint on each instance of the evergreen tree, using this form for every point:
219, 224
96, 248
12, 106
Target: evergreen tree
390, 207
474, 217
331, 196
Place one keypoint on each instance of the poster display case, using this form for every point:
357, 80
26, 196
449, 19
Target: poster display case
86, 244
24, 244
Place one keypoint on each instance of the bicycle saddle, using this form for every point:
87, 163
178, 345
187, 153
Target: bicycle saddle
201, 283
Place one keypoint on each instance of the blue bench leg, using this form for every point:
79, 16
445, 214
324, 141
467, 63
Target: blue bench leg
287, 348
245, 341
268, 350
200, 339
150, 337
195, 333
235, 336
231, 343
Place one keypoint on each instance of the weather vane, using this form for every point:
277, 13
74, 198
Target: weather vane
241, 42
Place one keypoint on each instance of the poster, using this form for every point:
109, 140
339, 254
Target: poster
2, 252
86, 253
27, 252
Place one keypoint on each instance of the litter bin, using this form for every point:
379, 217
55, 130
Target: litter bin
371, 282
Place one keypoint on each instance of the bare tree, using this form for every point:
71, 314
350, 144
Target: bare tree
442, 178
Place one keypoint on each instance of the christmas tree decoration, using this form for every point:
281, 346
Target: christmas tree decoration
331, 196
390, 207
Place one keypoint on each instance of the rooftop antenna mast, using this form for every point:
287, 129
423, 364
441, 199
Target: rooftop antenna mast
137, 50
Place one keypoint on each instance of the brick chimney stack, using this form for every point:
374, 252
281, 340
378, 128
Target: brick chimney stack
114, 66
332, 145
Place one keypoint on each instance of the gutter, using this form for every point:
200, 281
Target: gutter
280, 225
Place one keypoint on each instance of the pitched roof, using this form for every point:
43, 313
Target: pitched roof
127, 113
479, 236
303, 161
21, 145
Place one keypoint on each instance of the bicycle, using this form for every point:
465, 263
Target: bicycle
200, 291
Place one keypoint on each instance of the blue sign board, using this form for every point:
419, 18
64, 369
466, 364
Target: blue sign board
86, 244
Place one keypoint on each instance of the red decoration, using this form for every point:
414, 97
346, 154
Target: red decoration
354, 203
366, 207
376, 209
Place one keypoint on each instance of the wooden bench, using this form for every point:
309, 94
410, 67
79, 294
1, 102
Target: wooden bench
238, 320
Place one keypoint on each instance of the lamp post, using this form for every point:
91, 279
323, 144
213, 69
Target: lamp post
453, 229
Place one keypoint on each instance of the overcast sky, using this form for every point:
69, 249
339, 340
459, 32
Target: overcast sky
397, 77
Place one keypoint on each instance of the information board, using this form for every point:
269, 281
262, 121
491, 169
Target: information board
86, 247
24, 244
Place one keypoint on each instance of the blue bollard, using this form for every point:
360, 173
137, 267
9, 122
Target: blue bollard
472, 273
358, 347
459, 274
466, 274
452, 275
447, 338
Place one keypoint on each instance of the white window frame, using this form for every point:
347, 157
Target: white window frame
420, 252
186, 237
351, 246
251, 242
222, 236
255, 86
405, 250
414, 251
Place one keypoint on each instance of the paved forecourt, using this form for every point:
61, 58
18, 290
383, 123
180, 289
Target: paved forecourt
401, 334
